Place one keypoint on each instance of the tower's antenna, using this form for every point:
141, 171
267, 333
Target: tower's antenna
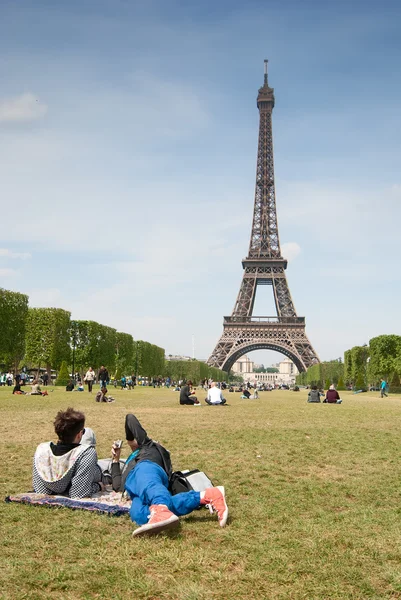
266, 61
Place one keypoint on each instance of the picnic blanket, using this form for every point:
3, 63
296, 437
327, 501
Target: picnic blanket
110, 503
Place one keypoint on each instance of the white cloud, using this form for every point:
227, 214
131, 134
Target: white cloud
26, 107
290, 250
4, 252
7, 272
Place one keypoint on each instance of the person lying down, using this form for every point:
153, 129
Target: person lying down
145, 477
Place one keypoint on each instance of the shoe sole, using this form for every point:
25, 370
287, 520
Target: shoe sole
224, 518
161, 527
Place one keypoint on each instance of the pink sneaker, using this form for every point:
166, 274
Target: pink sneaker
160, 519
215, 497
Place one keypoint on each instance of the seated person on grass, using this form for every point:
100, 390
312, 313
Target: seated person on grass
35, 389
215, 395
101, 396
145, 477
332, 396
314, 394
17, 390
70, 386
246, 394
186, 396
67, 467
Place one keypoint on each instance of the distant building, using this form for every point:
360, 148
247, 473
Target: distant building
286, 375
243, 365
177, 357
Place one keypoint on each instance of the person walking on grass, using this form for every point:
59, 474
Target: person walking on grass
89, 378
103, 377
383, 388
145, 477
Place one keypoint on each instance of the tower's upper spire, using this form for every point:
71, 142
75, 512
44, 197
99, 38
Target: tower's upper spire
266, 61
266, 94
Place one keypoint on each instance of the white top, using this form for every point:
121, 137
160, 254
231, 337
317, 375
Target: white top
214, 395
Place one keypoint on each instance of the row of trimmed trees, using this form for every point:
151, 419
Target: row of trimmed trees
193, 370
323, 375
47, 337
363, 366
380, 360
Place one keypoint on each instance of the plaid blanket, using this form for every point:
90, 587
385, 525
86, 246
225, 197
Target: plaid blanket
110, 503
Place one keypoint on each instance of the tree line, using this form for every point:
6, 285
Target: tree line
47, 337
363, 366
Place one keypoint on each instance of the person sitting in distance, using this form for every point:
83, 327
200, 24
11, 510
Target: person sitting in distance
145, 477
35, 389
17, 390
101, 396
246, 394
186, 396
215, 395
67, 467
70, 386
314, 394
332, 396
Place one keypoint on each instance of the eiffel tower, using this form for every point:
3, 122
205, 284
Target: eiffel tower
264, 265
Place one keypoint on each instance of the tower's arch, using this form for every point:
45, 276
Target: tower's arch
245, 348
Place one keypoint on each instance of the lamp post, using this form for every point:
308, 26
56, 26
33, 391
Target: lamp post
136, 360
74, 343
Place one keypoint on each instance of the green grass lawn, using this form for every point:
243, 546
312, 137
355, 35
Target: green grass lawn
313, 492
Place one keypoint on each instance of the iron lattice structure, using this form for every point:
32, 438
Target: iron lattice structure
264, 265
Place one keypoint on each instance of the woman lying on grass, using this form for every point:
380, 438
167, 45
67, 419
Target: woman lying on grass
67, 467
145, 477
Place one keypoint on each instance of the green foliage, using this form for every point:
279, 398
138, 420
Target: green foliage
360, 382
263, 369
348, 366
13, 315
359, 357
148, 359
394, 384
340, 384
314, 375
235, 378
301, 378
95, 345
63, 376
124, 354
385, 357
193, 370
48, 336
329, 372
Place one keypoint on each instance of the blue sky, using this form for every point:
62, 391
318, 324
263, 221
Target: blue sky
127, 162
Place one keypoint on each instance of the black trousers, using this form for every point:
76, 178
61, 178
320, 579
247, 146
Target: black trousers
192, 400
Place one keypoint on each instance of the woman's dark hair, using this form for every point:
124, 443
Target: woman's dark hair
189, 382
314, 387
68, 424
